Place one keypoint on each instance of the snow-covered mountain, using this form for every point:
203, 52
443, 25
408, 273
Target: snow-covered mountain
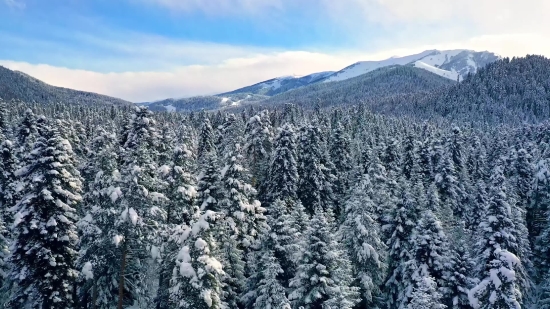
281, 84
447, 63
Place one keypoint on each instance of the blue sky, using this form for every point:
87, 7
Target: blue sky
144, 50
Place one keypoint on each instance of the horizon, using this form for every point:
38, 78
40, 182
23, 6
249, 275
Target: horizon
159, 49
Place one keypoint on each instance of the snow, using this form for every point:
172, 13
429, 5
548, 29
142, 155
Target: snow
155, 252
428, 60
200, 244
444, 73
117, 239
116, 193
51, 222
207, 296
87, 271
170, 108
133, 216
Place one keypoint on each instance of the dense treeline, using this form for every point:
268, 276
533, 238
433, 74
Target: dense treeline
106, 207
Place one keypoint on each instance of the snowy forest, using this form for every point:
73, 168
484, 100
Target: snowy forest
333, 207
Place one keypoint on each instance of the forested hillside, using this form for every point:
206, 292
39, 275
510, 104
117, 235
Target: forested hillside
15, 85
346, 205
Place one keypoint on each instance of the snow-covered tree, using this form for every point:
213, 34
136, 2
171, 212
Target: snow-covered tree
45, 235
99, 258
401, 223
258, 145
282, 180
324, 277
497, 265
425, 294
140, 207
314, 188
361, 234
197, 280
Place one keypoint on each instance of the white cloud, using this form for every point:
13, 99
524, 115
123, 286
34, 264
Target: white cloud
185, 80
237, 72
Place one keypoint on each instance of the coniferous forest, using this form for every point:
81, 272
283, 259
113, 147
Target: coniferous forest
437, 204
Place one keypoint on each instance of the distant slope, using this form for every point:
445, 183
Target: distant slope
447, 63
383, 82
20, 86
516, 90
280, 84
204, 102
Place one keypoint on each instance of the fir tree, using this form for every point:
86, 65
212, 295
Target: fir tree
323, 278
99, 257
499, 286
197, 280
314, 188
45, 236
361, 233
283, 172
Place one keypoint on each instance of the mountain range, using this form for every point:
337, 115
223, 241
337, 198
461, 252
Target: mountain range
450, 65
426, 71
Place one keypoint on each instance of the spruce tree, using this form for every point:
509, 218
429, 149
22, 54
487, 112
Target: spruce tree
283, 171
45, 235
98, 257
497, 265
258, 146
314, 188
401, 223
323, 278
361, 234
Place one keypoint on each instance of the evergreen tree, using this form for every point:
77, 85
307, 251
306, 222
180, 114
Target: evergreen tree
431, 252
98, 256
140, 207
323, 278
314, 188
361, 234
283, 170
498, 266
402, 222
340, 149
206, 140
197, 280
425, 294
258, 145
45, 236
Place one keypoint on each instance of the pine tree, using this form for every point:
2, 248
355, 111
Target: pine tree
43, 252
283, 171
285, 236
265, 287
206, 140
431, 251
460, 280
323, 278
197, 280
361, 234
179, 188
243, 222
411, 160
402, 221
314, 189
340, 149
26, 134
499, 286
99, 257
258, 145
140, 207
425, 294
